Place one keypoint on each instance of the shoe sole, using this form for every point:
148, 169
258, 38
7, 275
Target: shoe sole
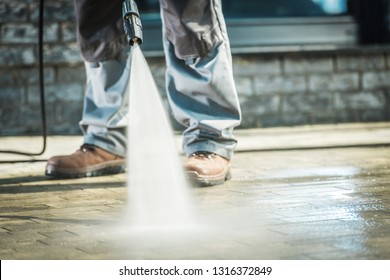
92, 172
207, 181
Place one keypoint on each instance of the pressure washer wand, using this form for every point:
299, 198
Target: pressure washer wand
132, 22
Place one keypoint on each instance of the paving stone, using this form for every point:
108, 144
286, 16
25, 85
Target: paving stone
313, 202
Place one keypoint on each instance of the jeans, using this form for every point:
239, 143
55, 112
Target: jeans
199, 81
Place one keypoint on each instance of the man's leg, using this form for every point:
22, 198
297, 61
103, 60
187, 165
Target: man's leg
106, 104
101, 40
202, 91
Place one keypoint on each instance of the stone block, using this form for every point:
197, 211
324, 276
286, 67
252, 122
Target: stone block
11, 96
19, 33
6, 78
279, 84
260, 105
71, 113
18, 2
361, 62
68, 31
360, 101
54, 113
334, 82
342, 116
376, 80
24, 76
62, 53
10, 119
292, 119
11, 101
70, 92
30, 118
253, 120
306, 103
374, 116
303, 64
14, 12
322, 117
55, 11
28, 33
69, 74
17, 55
57, 93
245, 65
244, 86
64, 129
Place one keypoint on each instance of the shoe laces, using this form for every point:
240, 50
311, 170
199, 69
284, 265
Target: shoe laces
87, 148
203, 155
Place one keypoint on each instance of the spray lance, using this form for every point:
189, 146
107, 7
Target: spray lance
132, 22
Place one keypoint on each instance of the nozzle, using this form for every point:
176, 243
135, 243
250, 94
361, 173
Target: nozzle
132, 22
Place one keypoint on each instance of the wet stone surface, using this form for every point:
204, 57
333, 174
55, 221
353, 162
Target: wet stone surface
293, 204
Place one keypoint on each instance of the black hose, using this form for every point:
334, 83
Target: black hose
41, 88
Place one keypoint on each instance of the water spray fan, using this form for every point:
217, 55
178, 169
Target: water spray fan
158, 192
132, 22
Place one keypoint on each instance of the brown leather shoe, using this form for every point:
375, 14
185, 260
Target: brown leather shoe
88, 161
207, 169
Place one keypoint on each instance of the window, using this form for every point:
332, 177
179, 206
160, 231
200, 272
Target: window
253, 26
283, 8
264, 8
261, 24
334, 7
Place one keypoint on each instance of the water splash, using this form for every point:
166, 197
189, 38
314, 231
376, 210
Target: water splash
158, 189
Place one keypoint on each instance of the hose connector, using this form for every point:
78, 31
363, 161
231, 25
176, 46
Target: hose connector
132, 22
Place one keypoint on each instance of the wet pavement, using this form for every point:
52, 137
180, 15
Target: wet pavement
318, 192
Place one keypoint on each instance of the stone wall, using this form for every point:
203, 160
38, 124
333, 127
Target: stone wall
275, 89
64, 74
297, 88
